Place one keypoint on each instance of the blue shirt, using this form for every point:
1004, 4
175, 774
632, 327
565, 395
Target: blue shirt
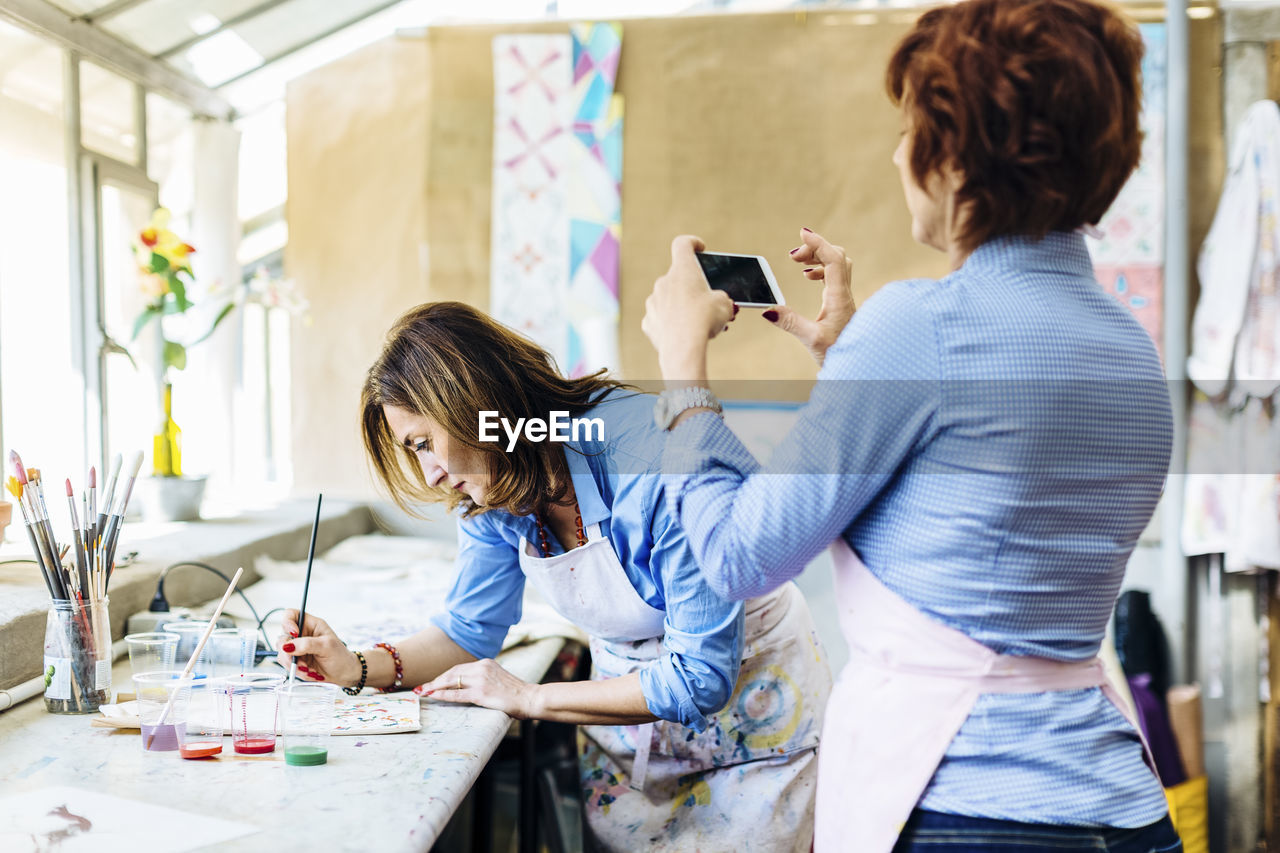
991, 444
619, 486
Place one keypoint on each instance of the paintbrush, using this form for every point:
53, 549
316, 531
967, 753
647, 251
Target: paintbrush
117, 518
91, 500
306, 585
33, 476
81, 561
195, 656
45, 550
107, 498
15, 489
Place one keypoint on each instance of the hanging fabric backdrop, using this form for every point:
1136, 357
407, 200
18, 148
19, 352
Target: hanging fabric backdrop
557, 189
1129, 258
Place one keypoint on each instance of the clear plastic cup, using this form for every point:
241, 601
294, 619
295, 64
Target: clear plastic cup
233, 650
254, 707
189, 634
205, 711
163, 721
306, 721
152, 652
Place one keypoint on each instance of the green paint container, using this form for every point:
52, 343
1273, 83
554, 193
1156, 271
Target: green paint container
305, 756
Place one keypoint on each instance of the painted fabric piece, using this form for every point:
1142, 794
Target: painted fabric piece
1234, 331
1232, 499
595, 200
377, 714
1129, 257
532, 152
557, 173
1212, 500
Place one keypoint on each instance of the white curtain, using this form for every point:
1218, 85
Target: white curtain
207, 388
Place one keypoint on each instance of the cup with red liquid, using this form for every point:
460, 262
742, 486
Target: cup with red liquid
204, 707
254, 706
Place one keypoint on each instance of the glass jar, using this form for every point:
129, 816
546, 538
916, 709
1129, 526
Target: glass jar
77, 657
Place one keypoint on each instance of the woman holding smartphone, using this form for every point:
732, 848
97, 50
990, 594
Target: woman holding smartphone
697, 707
981, 453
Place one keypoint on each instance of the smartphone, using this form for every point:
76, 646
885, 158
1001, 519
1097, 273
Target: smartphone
746, 278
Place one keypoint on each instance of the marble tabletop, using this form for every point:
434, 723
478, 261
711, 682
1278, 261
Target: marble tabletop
383, 792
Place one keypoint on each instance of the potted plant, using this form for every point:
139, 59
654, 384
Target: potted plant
166, 280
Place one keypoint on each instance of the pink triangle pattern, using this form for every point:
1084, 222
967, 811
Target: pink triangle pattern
605, 260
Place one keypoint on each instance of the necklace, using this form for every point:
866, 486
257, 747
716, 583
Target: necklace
542, 531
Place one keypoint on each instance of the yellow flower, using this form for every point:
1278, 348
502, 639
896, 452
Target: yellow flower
159, 239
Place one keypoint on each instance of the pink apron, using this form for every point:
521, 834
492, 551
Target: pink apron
910, 684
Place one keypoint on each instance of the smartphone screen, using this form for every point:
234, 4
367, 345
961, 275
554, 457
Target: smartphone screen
740, 276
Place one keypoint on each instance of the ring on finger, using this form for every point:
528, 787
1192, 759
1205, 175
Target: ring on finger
459, 682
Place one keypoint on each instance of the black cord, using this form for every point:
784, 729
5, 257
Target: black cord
160, 593
267, 616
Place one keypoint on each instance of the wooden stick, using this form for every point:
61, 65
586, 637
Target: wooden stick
195, 656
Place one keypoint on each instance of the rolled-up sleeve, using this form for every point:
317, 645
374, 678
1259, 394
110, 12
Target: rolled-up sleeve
702, 647
753, 528
488, 590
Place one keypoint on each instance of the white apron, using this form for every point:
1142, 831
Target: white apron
910, 684
662, 786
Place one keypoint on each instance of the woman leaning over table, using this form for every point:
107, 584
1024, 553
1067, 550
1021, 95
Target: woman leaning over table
699, 728
981, 453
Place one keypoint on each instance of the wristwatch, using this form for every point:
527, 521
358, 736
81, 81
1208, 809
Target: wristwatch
671, 403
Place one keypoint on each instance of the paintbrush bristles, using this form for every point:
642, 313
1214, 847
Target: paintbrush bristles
16, 461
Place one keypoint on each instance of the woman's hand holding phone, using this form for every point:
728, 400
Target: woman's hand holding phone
683, 313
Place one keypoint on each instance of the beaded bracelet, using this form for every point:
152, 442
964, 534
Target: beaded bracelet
395, 658
364, 676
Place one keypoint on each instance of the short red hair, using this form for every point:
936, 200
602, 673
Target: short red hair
1034, 102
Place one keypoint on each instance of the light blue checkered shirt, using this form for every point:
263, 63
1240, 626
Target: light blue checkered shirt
991, 444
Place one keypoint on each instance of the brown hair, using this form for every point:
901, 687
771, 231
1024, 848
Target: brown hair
448, 361
1034, 102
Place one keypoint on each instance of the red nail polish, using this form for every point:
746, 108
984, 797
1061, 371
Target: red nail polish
771, 316
735, 310
796, 249
288, 647
293, 634
809, 269
806, 229
317, 676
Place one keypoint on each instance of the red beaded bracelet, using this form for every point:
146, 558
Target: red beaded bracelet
395, 658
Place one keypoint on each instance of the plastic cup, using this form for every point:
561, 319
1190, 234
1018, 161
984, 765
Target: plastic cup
152, 652
154, 691
189, 634
254, 710
306, 720
205, 712
232, 651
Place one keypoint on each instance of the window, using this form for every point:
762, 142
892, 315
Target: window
41, 410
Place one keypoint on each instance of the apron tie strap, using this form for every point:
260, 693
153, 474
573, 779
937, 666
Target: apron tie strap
640, 768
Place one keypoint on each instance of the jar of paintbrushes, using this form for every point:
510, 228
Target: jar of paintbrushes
77, 656
77, 639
